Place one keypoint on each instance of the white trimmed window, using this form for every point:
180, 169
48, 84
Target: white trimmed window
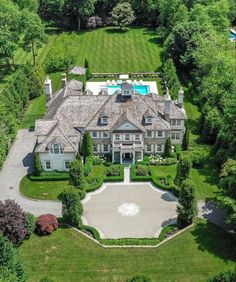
137, 137
117, 137
48, 165
159, 148
104, 120
94, 134
105, 134
67, 165
127, 137
105, 148
149, 119
56, 149
149, 147
149, 134
173, 122
95, 148
175, 136
178, 122
160, 134
126, 92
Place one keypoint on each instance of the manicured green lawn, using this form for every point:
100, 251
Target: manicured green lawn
43, 190
35, 110
68, 256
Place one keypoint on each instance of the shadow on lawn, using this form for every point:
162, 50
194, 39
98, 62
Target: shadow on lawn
215, 240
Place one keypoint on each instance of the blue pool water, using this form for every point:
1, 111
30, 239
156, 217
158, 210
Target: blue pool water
232, 35
141, 89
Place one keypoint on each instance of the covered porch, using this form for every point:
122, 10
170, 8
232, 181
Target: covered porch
127, 154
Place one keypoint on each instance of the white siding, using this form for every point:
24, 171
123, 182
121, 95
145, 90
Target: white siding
57, 161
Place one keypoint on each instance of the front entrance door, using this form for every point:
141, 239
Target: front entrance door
127, 156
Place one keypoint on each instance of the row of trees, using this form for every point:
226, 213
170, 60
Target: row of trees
20, 26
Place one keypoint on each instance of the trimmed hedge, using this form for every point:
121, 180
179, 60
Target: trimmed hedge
94, 183
115, 178
50, 176
91, 231
157, 181
135, 177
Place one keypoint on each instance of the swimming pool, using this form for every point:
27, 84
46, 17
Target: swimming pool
141, 89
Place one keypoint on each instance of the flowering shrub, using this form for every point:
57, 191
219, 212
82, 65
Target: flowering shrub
142, 170
113, 170
158, 160
98, 159
46, 224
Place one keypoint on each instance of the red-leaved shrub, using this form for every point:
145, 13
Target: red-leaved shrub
46, 224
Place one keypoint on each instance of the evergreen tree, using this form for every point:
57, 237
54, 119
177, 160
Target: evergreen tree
183, 170
10, 263
167, 152
185, 142
88, 74
37, 165
72, 208
76, 174
87, 145
86, 63
187, 207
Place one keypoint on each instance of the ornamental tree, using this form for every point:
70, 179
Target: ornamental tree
183, 170
185, 142
37, 165
167, 151
13, 222
72, 208
46, 224
187, 207
87, 145
11, 266
76, 174
122, 15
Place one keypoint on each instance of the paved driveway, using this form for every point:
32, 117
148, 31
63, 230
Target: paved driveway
134, 210
18, 163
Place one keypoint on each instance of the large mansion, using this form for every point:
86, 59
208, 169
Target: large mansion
125, 125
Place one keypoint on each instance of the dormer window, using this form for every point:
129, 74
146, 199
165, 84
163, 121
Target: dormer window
126, 92
148, 120
104, 120
56, 149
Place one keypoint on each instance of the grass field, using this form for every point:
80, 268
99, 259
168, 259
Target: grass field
68, 256
43, 190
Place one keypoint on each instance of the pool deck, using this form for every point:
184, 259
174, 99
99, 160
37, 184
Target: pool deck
95, 87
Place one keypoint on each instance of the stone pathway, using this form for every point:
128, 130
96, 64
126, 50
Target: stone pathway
127, 174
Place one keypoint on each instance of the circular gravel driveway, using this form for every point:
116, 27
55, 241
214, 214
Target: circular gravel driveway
135, 210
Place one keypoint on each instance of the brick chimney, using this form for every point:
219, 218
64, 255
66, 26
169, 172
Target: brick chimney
181, 97
167, 103
48, 88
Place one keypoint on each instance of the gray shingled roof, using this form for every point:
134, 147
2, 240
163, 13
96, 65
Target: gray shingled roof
78, 70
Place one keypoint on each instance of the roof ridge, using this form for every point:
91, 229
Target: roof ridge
99, 110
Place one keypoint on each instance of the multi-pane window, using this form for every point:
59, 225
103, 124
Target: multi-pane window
127, 137
175, 136
48, 165
126, 92
56, 149
178, 122
95, 148
104, 120
160, 133
159, 149
105, 135
173, 122
67, 165
149, 119
117, 137
149, 134
105, 148
149, 148
137, 137
94, 134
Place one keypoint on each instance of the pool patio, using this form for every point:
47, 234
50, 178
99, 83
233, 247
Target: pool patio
95, 87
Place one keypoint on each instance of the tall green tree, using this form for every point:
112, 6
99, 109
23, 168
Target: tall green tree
167, 151
76, 174
183, 170
79, 9
122, 15
170, 74
34, 32
87, 145
31, 5
185, 142
10, 261
187, 206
